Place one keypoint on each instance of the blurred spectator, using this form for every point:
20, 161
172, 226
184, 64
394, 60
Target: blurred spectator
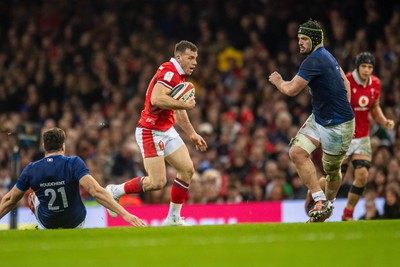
391, 210
233, 194
123, 167
371, 212
298, 187
212, 186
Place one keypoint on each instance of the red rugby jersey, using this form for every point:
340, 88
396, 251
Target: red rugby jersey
169, 74
362, 101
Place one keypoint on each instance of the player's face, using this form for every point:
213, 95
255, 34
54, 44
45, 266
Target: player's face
365, 70
187, 60
304, 45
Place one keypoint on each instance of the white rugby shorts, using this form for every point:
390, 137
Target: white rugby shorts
335, 140
360, 146
153, 143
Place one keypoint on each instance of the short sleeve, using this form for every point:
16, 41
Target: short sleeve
23, 180
309, 69
168, 77
79, 168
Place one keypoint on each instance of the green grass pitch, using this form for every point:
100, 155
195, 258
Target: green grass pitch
339, 244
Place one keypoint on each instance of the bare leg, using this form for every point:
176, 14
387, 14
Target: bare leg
332, 188
360, 180
305, 168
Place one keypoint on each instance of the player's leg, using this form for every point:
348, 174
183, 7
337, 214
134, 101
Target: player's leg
309, 204
331, 166
305, 168
361, 165
307, 172
33, 204
304, 143
181, 161
335, 142
151, 144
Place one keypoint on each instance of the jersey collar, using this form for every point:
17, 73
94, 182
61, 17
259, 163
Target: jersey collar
177, 66
358, 79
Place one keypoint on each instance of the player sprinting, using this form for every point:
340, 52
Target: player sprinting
55, 180
331, 124
157, 138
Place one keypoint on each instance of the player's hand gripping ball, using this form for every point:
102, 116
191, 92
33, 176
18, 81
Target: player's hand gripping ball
183, 91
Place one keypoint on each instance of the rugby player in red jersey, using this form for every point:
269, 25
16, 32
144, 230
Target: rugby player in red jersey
157, 138
365, 91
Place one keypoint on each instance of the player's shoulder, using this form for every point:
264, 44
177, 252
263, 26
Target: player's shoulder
72, 160
167, 67
375, 80
352, 79
168, 75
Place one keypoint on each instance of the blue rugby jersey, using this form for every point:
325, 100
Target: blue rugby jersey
328, 92
55, 180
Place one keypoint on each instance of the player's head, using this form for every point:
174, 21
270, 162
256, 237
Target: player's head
186, 55
365, 63
54, 140
310, 35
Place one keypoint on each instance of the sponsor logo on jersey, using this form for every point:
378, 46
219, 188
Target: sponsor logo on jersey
363, 101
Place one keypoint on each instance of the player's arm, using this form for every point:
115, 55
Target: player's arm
105, 199
289, 88
10, 200
160, 97
379, 117
182, 120
346, 84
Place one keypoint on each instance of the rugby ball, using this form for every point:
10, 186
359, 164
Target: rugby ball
183, 91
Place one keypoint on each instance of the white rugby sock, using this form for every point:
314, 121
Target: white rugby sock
119, 189
174, 210
319, 195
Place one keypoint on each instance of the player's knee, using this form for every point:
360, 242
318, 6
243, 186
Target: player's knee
187, 173
298, 155
361, 176
301, 148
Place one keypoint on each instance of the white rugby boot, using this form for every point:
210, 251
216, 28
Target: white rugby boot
175, 221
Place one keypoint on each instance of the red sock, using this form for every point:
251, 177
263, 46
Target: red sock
348, 213
179, 191
134, 186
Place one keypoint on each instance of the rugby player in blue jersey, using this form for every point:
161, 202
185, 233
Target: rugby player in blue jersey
55, 180
331, 124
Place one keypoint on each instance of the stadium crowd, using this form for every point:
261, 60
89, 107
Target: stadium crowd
85, 67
